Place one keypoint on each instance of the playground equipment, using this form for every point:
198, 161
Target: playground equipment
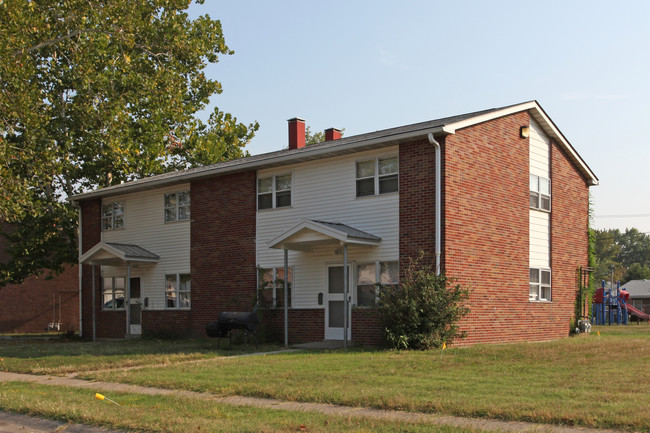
610, 306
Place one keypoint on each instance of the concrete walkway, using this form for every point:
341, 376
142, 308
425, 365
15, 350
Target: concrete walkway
15, 423
327, 409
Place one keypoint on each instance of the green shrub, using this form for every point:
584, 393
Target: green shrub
424, 310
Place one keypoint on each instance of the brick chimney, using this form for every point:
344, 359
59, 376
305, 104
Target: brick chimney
296, 133
332, 134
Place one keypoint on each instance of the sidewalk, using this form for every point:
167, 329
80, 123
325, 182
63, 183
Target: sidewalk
327, 409
15, 423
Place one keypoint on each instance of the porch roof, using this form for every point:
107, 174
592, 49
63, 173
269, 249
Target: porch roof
309, 233
111, 253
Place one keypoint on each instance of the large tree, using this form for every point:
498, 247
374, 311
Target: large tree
628, 252
93, 93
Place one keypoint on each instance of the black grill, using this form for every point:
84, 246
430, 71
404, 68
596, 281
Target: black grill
229, 320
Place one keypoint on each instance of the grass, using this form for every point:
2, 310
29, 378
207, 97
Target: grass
591, 380
181, 415
61, 356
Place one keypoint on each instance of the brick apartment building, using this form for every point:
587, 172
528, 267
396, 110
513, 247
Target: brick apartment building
499, 197
40, 304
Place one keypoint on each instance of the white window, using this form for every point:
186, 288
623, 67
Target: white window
377, 176
540, 193
177, 291
113, 293
274, 192
272, 284
177, 206
540, 285
373, 275
113, 216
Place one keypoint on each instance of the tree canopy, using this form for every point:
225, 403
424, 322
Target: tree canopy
628, 252
93, 93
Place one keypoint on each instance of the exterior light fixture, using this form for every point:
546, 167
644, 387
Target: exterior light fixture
524, 131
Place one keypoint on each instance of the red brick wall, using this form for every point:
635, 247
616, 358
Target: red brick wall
91, 236
29, 307
305, 325
417, 191
367, 328
486, 225
167, 323
222, 255
569, 238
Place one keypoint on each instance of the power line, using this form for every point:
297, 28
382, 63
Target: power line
637, 215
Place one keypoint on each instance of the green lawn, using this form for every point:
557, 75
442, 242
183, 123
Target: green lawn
591, 380
61, 356
180, 415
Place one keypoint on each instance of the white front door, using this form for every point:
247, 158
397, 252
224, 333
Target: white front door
135, 308
335, 304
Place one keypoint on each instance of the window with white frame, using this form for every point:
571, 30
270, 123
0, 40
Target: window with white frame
177, 291
177, 206
113, 290
272, 284
540, 285
112, 216
377, 176
370, 277
540, 193
274, 192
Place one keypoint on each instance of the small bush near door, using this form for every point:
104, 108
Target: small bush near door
423, 311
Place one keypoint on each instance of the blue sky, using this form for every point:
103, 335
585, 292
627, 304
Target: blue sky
370, 65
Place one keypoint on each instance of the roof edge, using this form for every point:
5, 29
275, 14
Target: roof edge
387, 137
541, 116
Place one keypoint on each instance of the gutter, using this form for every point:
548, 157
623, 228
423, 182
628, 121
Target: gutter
433, 141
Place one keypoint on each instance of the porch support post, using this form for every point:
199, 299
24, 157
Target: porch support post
286, 297
346, 320
93, 300
127, 299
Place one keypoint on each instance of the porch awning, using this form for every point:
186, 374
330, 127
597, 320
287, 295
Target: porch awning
113, 254
310, 233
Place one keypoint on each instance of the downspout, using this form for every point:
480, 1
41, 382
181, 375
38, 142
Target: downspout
286, 297
79, 240
438, 168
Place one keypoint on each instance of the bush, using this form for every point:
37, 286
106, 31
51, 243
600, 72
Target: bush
424, 310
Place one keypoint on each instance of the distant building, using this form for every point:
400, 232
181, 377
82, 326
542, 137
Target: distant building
639, 291
40, 304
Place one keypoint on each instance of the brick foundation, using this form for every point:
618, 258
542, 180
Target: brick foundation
305, 325
168, 323
367, 329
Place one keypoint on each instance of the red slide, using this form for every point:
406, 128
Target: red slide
638, 313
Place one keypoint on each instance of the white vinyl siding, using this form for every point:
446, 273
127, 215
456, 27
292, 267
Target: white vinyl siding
539, 239
325, 190
539, 220
147, 228
539, 151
